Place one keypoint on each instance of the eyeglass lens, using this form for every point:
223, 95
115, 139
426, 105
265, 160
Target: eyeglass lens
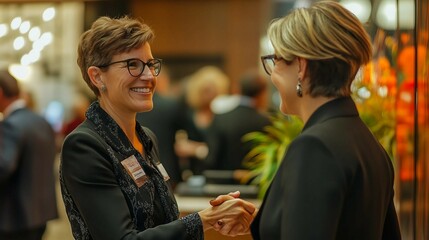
136, 66
268, 65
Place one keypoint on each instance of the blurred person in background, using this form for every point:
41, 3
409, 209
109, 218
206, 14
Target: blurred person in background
165, 119
248, 113
29, 99
80, 103
201, 88
112, 181
27, 155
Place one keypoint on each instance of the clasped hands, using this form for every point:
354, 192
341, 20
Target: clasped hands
228, 215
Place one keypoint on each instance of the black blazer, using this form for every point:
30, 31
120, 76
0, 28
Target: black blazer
226, 147
335, 182
27, 184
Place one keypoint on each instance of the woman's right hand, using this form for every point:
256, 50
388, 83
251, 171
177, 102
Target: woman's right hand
230, 216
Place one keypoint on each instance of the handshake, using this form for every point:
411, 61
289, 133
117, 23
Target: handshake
229, 215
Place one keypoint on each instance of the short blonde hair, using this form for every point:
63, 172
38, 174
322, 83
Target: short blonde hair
331, 38
108, 37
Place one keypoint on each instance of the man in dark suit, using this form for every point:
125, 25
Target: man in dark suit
226, 147
27, 154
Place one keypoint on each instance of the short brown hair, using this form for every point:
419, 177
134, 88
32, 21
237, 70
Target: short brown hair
108, 37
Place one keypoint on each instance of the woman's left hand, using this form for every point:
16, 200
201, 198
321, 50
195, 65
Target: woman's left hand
228, 225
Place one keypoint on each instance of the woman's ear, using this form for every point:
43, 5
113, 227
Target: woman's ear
302, 68
94, 75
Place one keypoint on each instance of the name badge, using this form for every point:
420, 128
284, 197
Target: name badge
163, 171
135, 171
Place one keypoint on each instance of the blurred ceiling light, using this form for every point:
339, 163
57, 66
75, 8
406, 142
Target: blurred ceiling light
364, 93
386, 17
16, 22
38, 45
266, 46
32, 57
48, 14
302, 3
25, 26
18, 43
382, 91
360, 8
34, 34
46, 38
25, 60
21, 73
3, 30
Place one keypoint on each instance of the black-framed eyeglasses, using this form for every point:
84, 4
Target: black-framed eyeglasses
136, 66
268, 61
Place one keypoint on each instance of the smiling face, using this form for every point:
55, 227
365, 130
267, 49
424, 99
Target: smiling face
125, 94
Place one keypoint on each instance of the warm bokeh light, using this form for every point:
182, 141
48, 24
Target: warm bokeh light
48, 14
266, 46
34, 34
18, 43
15, 23
386, 16
21, 73
360, 8
25, 26
3, 30
31, 57
47, 38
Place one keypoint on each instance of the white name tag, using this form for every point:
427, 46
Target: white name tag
163, 171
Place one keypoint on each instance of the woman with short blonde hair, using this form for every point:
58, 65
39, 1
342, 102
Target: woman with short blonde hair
335, 180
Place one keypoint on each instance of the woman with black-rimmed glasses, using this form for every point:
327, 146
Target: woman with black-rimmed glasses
112, 181
335, 180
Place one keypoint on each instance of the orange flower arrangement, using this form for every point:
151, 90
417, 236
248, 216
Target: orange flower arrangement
407, 106
385, 95
374, 91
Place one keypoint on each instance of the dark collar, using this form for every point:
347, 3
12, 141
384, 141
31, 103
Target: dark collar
113, 134
339, 107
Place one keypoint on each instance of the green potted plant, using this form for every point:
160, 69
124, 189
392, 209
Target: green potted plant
269, 147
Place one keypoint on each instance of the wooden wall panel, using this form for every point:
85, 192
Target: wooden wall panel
228, 29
